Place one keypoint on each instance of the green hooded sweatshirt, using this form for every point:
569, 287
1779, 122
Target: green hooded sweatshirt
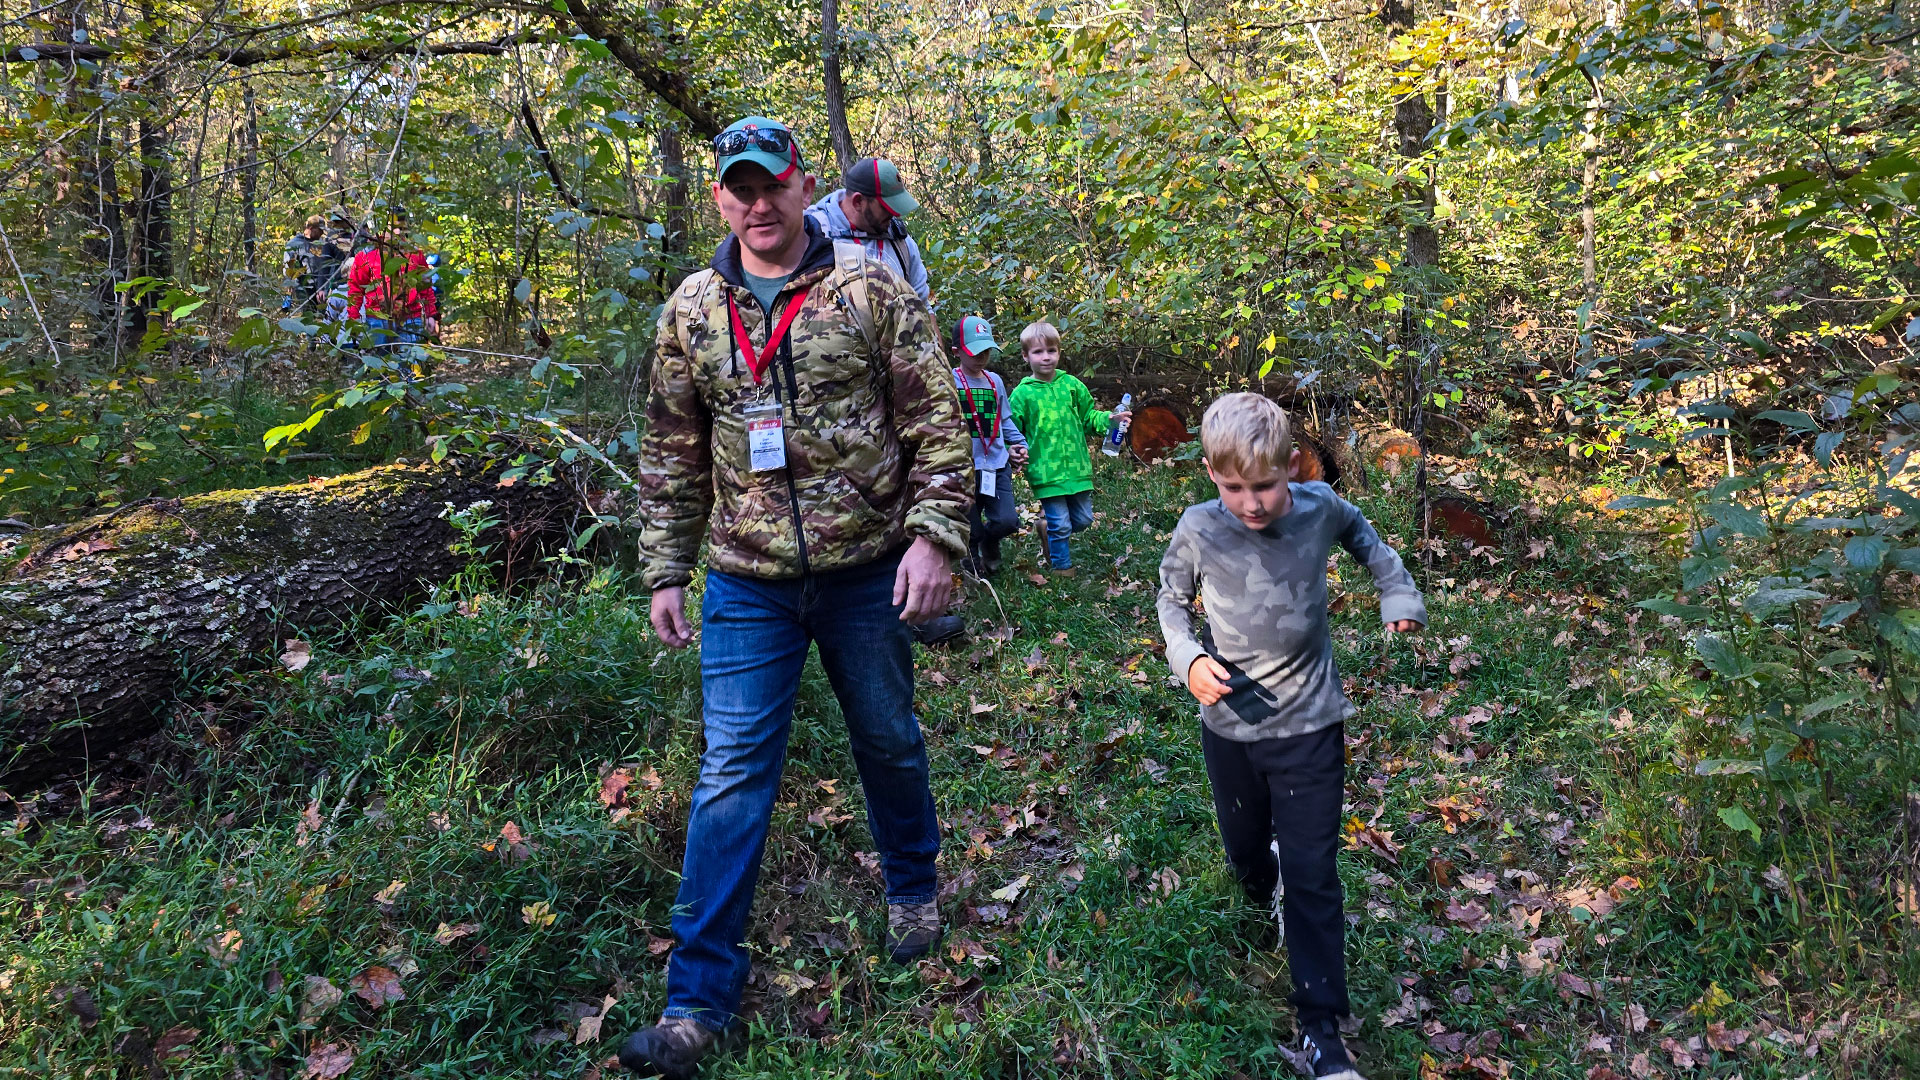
1058, 417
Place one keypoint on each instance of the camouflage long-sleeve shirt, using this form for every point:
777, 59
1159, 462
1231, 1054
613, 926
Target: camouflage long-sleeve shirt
1266, 609
876, 453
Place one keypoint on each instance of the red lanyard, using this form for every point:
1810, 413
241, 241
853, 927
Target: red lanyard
757, 361
990, 430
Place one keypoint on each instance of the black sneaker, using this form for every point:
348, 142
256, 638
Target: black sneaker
671, 1048
939, 630
912, 930
1326, 1055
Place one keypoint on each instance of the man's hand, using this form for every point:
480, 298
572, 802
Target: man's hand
432, 327
1403, 626
1120, 416
1207, 679
923, 583
1018, 455
669, 617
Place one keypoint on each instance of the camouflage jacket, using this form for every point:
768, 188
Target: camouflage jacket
876, 451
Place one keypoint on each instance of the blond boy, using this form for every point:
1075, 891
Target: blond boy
1271, 705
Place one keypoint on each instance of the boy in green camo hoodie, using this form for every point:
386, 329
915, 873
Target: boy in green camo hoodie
1057, 413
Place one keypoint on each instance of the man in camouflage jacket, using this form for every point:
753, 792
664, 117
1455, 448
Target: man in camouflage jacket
802, 420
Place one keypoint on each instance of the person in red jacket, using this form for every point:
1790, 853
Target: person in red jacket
395, 306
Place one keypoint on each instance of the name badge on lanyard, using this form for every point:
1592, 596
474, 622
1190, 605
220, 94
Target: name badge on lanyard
766, 438
986, 482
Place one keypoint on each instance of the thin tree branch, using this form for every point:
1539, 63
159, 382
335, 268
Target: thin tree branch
559, 185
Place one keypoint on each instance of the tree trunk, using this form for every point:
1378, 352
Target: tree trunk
156, 179
110, 621
1589, 179
836, 94
1412, 123
250, 180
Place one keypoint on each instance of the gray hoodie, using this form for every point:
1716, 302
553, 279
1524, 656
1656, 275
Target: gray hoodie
1265, 593
895, 247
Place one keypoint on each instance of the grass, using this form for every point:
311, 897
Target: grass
1536, 887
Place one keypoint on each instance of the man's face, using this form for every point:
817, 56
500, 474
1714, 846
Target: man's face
1258, 495
313, 232
768, 215
866, 213
1043, 360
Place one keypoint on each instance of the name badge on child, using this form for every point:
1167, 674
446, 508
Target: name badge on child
986, 482
766, 438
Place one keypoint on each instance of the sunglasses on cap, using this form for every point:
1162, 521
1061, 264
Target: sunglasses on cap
772, 140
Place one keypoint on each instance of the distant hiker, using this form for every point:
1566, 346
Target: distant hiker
871, 205
1056, 413
800, 420
998, 446
1271, 706
387, 288
303, 265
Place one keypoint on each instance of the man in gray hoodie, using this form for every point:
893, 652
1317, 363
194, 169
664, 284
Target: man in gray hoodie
869, 206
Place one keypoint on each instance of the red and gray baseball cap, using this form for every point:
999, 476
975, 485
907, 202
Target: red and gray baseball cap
876, 177
766, 143
973, 335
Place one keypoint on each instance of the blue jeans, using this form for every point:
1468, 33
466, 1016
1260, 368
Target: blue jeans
382, 333
754, 638
1066, 515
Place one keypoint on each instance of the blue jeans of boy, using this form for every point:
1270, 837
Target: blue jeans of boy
754, 639
1066, 515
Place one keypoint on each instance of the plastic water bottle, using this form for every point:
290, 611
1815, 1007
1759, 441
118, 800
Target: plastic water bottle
1117, 429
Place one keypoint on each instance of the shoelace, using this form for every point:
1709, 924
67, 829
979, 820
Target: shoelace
914, 916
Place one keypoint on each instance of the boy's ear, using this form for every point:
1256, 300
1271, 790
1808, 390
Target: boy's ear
1293, 464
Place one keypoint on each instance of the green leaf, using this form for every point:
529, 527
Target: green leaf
1835, 614
523, 290
1663, 606
1737, 820
295, 326
1825, 444
1863, 245
1783, 178
1752, 341
1865, 552
1765, 601
1744, 520
1728, 767
1829, 703
1721, 657
1791, 419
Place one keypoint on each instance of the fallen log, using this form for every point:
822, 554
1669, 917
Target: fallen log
106, 623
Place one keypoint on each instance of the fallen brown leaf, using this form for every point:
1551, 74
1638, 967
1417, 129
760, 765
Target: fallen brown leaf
329, 1061
175, 1042
447, 935
613, 788
319, 998
377, 986
297, 656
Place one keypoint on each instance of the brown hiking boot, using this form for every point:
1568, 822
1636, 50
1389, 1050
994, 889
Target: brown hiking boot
912, 930
1063, 571
671, 1048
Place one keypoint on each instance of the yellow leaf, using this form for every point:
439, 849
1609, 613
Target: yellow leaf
1313, 182
538, 915
1382, 265
1272, 340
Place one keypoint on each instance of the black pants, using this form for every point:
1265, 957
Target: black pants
994, 517
1290, 791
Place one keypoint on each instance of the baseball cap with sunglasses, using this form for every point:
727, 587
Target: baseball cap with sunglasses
766, 143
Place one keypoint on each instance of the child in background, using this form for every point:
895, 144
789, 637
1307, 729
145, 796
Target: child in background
998, 445
1056, 412
1271, 706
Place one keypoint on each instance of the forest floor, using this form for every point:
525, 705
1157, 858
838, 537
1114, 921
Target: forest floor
446, 847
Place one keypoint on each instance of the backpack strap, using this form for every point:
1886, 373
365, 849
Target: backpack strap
850, 281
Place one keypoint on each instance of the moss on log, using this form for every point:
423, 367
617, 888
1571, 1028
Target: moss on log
105, 624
